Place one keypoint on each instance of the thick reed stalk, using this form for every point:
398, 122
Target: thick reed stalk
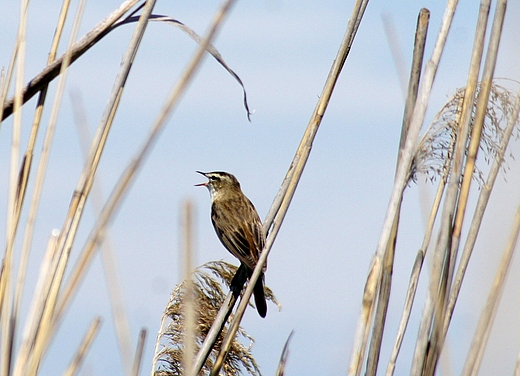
478, 123
136, 365
79, 48
386, 281
84, 186
6, 274
25, 169
23, 179
401, 179
108, 259
483, 199
285, 189
436, 290
190, 312
33, 322
283, 199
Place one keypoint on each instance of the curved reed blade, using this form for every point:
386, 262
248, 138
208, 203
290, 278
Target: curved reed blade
280, 371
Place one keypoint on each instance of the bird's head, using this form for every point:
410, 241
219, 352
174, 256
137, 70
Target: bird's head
219, 181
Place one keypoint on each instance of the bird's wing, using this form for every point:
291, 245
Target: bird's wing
257, 231
244, 239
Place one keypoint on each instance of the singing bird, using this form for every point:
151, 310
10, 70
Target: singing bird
238, 226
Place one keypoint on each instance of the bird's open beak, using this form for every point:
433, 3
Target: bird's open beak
202, 184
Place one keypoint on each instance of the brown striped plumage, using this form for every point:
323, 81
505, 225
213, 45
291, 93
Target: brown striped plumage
237, 225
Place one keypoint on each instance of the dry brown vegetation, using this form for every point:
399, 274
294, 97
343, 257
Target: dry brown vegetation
479, 119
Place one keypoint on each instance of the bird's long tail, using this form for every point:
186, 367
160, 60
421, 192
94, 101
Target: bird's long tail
260, 302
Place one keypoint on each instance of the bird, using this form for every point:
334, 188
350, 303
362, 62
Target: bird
238, 226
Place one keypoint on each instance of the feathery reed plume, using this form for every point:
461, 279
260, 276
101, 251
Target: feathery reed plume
436, 145
208, 283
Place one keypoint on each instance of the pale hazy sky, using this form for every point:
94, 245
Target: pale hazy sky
283, 51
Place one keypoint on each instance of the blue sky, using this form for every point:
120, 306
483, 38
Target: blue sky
283, 51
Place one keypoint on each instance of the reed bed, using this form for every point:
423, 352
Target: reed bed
461, 153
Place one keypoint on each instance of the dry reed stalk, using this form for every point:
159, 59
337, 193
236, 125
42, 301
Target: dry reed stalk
39, 300
79, 48
115, 292
27, 163
421, 32
126, 178
280, 370
25, 168
3, 84
487, 316
77, 361
478, 122
421, 254
463, 192
162, 330
396, 51
401, 179
437, 282
479, 212
7, 78
209, 280
190, 311
213, 334
482, 201
41, 170
45, 326
12, 218
24, 172
475, 139
85, 184
310, 132
15, 144
136, 365
383, 299
283, 199
76, 207
414, 279
386, 281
